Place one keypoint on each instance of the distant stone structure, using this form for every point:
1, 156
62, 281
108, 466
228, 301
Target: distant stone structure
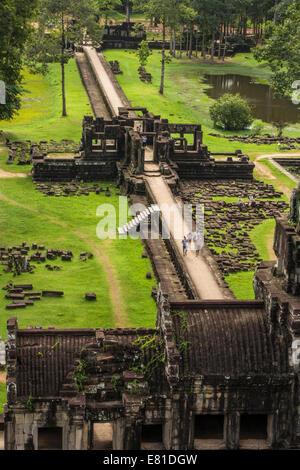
122, 36
115, 148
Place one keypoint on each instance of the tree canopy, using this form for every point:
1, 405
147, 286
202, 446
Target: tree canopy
15, 27
281, 50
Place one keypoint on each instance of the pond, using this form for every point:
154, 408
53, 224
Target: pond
264, 104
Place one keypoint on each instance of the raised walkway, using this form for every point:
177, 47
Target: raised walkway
200, 274
111, 95
199, 271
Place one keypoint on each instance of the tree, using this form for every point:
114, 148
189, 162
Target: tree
61, 23
108, 8
164, 12
15, 27
281, 50
231, 112
143, 53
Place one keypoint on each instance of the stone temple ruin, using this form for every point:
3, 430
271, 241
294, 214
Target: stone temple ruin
213, 374
112, 148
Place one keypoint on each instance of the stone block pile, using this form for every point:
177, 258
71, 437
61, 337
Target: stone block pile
144, 76
23, 153
115, 67
22, 295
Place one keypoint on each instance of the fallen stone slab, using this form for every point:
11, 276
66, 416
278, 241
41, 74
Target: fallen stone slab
90, 296
52, 293
26, 302
15, 296
15, 306
23, 286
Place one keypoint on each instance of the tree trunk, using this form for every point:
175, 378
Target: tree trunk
220, 44
127, 11
225, 46
187, 43
212, 53
203, 44
180, 42
63, 84
191, 44
275, 13
163, 52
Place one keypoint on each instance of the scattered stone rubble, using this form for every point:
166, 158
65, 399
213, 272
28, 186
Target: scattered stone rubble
266, 139
69, 189
23, 153
115, 67
144, 76
228, 224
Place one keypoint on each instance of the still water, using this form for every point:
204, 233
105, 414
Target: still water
264, 104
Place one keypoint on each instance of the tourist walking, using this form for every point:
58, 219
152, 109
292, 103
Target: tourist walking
144, 141
197, 243
184, 246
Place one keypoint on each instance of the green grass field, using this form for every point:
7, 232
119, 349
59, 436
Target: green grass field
27, 215
40, 117
36, 223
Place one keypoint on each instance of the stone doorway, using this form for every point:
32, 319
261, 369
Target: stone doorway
209, 432
102, 436
50, 438
152, 437
253, 431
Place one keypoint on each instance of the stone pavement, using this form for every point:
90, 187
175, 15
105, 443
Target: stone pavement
107, 87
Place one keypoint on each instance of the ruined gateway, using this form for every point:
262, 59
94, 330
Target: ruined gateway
213, 374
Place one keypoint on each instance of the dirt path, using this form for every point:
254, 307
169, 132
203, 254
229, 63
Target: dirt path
265, 172
7, 174
2, 377
114, 286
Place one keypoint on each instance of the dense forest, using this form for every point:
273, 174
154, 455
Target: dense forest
34, 32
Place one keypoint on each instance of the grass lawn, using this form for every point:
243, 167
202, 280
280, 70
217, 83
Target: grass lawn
40, 116
36, 223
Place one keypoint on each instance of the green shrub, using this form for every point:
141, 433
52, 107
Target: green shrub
231, 112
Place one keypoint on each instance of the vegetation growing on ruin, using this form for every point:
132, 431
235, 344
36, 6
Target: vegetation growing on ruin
2, 396
80, 375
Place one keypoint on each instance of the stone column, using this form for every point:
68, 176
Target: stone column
232, 430
118, 434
